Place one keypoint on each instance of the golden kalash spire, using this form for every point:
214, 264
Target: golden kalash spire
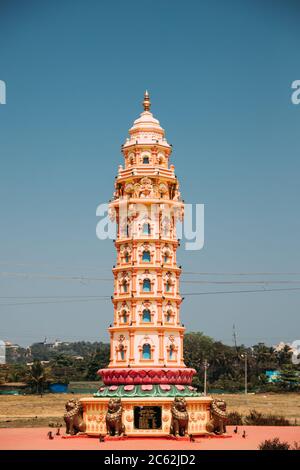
146, 102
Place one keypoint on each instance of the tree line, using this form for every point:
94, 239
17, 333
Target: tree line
80, 361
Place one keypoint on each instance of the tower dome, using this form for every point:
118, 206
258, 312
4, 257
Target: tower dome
146, 128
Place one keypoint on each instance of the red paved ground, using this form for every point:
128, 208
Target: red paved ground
36, 439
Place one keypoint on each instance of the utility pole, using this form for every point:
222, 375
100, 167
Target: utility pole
246, 374
245, 356
234, 337
206, 366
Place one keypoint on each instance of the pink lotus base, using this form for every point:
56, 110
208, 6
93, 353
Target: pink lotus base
137, 376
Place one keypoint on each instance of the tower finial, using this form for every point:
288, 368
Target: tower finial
146, 102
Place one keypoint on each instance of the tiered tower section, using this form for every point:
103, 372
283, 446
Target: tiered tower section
146, 336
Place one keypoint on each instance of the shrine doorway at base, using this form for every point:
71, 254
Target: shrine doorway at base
147, 417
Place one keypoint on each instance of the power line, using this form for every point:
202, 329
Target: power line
53, 302
53, 296
45, 265
84, 278
100, 297
97, 298
242, 291
208, 273
263, 281
53, 277
270, 273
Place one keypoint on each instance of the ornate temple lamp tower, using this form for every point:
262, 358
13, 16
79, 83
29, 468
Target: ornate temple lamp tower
146, 336
146, 368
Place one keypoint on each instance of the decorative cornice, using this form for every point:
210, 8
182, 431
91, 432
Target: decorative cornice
144, 327
144, 296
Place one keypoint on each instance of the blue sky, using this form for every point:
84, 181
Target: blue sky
220, 76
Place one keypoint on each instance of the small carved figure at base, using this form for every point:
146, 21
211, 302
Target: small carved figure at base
180, 418
218, 417
74, 417
113, 418
54, 424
